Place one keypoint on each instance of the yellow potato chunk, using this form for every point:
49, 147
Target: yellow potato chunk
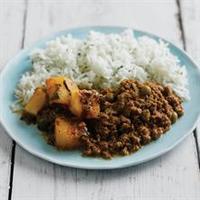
93, 111
57, 91
36, 102
90, 102
75, 105
67, 133
62, 90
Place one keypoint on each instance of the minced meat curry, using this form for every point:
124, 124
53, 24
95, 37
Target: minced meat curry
103, 123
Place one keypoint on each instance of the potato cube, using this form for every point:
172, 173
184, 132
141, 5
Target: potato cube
67, 133
36, 102
93, 111
90, 102
57, 91
75, 105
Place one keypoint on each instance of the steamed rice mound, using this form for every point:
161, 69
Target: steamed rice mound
103, 60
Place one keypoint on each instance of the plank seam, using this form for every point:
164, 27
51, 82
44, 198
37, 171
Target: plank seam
197, 146
12, 166
181, 26
180, 23
11, 169
24, 23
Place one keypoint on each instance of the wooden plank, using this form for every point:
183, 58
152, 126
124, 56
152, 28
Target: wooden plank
172, 176
191, 27
11, 20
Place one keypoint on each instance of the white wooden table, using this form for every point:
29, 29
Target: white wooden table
174, 176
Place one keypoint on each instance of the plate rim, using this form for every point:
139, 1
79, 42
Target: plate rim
86, 166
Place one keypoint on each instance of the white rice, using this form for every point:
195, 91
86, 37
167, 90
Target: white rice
103, 60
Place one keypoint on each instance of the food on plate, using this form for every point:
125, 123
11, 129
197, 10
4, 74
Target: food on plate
56, 90
68, 133
90, 103
75, 97
36, 102
133, 115
107, 95
111, 121
103, 61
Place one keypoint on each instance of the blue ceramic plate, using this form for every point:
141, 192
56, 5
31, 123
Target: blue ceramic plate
29, 138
